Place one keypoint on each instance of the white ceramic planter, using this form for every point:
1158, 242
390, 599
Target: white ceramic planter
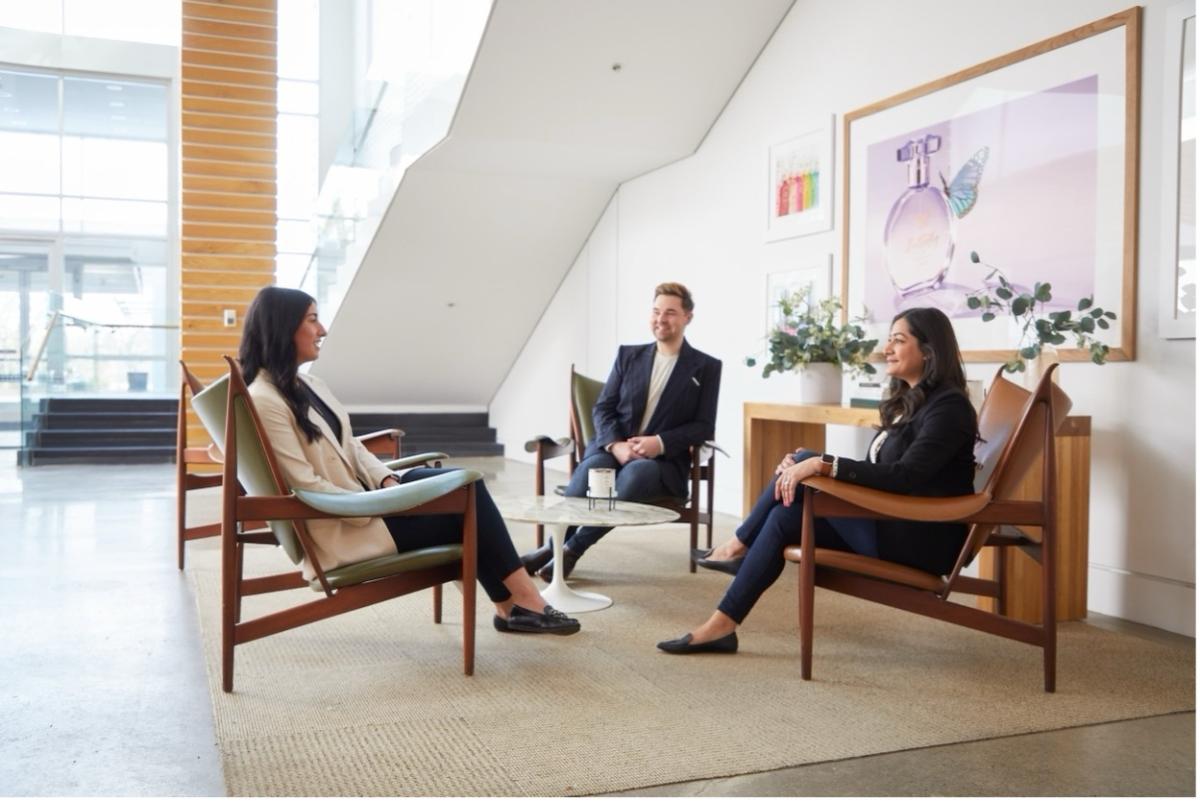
820, 383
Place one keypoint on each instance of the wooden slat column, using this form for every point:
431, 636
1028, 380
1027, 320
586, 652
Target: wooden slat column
227, 145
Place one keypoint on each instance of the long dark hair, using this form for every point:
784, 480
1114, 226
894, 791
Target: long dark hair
269, 345
943, 366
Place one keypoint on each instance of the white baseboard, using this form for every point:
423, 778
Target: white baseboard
1151, 600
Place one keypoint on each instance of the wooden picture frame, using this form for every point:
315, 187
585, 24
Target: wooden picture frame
1003, 137
1178, 153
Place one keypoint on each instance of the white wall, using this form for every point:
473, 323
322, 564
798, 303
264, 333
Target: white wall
701, 221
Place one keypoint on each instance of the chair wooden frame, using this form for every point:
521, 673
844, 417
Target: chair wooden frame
993, 513
237, 508
384, 443
689, 511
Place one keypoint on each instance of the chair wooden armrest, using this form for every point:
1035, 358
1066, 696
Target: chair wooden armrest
427, 459
859, 501
385, 442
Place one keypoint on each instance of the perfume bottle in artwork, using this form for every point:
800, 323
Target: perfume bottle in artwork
918, 237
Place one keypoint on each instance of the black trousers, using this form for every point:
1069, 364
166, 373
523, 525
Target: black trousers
769, 527
497, 556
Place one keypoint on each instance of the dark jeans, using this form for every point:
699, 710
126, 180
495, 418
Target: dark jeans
638, 480
497, 556
770, 527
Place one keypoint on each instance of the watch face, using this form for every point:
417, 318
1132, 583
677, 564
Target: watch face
827, 458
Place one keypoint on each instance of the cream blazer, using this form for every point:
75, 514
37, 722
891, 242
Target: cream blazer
324, 465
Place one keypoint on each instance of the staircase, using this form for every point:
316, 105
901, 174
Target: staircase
100, 431
142, 430
456, 434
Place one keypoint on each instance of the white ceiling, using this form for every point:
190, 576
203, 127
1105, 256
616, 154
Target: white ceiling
484, 227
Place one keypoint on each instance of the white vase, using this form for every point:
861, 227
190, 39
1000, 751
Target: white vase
820, 382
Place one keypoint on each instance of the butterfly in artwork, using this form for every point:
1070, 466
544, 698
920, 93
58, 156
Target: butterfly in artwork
963, 191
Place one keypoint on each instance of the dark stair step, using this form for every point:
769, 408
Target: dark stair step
126, 455
105, 420
76, 405
372, 421
106, 437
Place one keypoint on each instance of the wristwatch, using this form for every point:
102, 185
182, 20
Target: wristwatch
828, 465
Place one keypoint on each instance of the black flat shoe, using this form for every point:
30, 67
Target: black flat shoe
546, 574
536, 560
729, 566
525, 621
724, 645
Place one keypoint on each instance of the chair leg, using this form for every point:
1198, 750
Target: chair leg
180, 522
1002, 581
241, 561
1049, 615
540, 531
806, 619
693, 539
437, 603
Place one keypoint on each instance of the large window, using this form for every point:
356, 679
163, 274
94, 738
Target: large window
297, 160
84, 171
150, 21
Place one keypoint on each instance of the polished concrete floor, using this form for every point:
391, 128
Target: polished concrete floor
104, 691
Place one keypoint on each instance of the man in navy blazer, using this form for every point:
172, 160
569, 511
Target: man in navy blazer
659, 401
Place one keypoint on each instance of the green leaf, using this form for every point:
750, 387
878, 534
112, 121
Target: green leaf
988, 317
1042, 292
974, 257
751, 361
1030, 351
974, 302
1004, 293
1085, 303
1110, 315
1102, 323
1087, 324
1020, 305
1097, 312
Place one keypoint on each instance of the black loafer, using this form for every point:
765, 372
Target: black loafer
724, 645
536, 560
525, 621
546, 574
729, 566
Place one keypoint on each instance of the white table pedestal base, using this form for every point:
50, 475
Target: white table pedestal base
558, 594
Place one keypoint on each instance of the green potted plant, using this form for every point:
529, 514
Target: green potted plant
810, 340
1040, 330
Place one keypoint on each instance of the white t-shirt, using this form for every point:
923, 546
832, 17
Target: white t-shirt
659, 374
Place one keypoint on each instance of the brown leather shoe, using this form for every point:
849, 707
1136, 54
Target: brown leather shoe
546, 573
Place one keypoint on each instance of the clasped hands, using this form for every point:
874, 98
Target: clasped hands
790, 473
635, 448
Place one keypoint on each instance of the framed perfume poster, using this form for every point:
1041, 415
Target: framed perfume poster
1022, 168
1177, 284
800, 184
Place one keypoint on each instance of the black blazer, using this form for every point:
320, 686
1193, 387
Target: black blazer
932, 455
686, 414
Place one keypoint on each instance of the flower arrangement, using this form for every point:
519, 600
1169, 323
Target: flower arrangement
1039, 329
809, 333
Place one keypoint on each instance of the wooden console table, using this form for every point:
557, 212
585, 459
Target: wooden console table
773, 429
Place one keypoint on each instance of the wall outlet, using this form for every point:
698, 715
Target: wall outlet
230, 318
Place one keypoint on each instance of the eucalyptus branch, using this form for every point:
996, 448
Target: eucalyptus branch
1039, 328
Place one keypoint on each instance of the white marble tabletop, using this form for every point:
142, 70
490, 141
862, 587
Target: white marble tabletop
560, 511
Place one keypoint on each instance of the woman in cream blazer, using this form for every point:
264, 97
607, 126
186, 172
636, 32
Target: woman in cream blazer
310, 434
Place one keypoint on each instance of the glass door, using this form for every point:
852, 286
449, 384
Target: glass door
24, 319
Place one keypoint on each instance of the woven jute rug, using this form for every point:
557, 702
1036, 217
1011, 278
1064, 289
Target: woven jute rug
375, 703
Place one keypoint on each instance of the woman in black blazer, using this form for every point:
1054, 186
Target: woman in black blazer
925, 446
